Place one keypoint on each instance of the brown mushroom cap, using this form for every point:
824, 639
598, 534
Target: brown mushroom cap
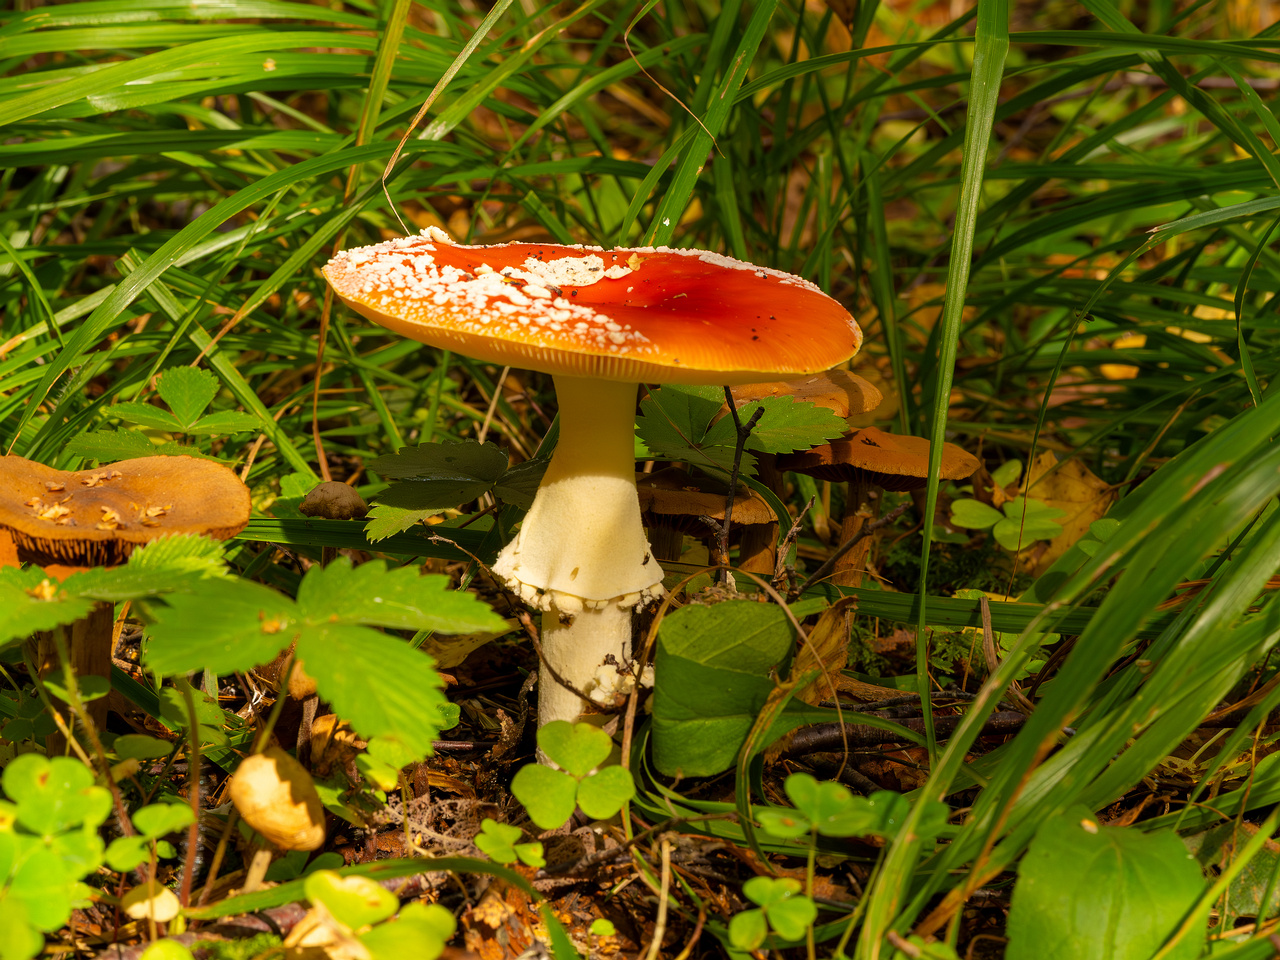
843, 393
671, 494
657, 315
332, 500
276, 796
97, 517
888, 460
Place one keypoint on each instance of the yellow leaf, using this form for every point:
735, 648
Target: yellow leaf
1071, 488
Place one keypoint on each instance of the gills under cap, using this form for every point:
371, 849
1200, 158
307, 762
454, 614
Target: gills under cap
98, 517
657, 315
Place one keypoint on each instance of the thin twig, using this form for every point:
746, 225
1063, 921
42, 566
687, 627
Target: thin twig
866, 531
743, 431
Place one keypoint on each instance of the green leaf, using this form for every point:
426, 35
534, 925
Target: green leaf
157, 819
384, 687
783, 823
187, 553
497, 840
673, 424
974, 514
548, 795
1012, 534
167, 950
603, 794
146, 415
188, 391
353, 901
19, 940
787, 911
89, 688
1007, 472
107, 446
29, 603
402, 598
1035, 509
519, 485
464, 461
403, 504
786, 425
225, 421
140, 747
229, 625
714, 663
1086, 891
126, 853
576, 748
54, 795
748, 929
420, 932
835, 812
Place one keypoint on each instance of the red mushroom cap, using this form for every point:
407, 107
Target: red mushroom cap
655, 315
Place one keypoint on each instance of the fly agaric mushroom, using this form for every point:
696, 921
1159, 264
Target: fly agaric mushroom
71, 520
870, 458
843, 393
601, 322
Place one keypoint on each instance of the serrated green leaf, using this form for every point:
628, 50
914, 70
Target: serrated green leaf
29, 602
188, 391
385, 521
225, 421
399, 598
464, 461
974, 514
186, 552
786, 425
146, 415
549, 796
603, 794
673, 424
229, 625
379, 684
519, 485
115, 584
107, 446
403, 504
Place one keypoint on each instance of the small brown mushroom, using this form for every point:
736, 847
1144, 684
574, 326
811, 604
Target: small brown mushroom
843, 393
867, 459
673, 503
276, 796
333, 500
71, 520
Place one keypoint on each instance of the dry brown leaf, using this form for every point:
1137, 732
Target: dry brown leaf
1071, 488
826, 651
451, 651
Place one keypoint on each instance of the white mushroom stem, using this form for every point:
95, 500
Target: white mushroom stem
581, 555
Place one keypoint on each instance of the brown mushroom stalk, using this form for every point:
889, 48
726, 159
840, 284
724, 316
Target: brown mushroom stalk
71, 520
845, 394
